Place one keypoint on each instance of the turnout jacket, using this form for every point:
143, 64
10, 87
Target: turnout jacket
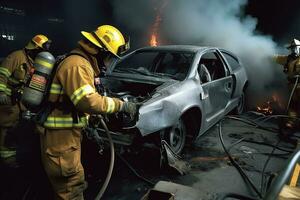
13, 71
292, 65
74, 95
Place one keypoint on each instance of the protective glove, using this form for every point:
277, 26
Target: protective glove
130, 108
4, 99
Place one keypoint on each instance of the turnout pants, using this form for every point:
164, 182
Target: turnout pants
61, 157
9, 116
294, 109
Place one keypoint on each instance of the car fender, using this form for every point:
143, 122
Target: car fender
166, 110
157, 117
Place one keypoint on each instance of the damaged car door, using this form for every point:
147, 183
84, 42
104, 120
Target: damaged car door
218, 89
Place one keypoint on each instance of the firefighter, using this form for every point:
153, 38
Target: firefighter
14, 71
73, 94
291, 64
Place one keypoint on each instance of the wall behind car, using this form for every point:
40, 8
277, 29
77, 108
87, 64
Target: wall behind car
62, 21
252, 29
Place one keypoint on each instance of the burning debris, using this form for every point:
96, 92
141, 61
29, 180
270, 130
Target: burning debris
268, 107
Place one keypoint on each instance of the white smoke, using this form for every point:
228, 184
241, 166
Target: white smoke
211, 23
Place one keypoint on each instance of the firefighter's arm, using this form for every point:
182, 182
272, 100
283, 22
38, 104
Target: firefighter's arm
78, 83
6, 70
297, 67
280, 59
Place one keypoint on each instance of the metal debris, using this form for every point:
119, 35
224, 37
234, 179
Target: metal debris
173, 159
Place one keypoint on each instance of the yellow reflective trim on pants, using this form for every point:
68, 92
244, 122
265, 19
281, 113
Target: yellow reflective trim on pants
64, 122
110, 105
5, 72
81, 92
56, 89
43, 63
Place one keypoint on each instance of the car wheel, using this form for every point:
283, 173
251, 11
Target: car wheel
175, 136
241, 105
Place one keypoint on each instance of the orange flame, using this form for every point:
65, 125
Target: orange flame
155, 27
154, 35
265, 109
153, 41
269, 106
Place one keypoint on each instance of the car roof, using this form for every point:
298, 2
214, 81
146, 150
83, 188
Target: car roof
187, 48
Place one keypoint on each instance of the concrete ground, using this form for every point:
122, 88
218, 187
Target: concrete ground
211, 173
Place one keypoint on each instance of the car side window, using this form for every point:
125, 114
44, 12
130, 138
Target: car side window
213, 64
233, 62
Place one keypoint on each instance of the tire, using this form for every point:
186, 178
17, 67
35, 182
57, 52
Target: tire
241, 105
175, 136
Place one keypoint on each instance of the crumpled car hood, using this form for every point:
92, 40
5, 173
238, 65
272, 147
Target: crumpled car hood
158, 111
162, 90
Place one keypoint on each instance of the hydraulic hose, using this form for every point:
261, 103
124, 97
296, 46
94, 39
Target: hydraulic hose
235, 196
236, 165
292, 93
262, 183
250, 122
112, 160
267, 118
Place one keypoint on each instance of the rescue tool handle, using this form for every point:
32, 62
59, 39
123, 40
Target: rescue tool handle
112, 159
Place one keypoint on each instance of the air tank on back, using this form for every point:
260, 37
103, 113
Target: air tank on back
35, 88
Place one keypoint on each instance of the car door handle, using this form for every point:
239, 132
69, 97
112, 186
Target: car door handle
203, 95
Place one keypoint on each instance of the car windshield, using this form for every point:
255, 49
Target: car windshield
164, 64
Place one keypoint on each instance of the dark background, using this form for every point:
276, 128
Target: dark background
63, 20
277, 18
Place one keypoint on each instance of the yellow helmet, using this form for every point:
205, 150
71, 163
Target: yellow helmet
109, 38
39, 41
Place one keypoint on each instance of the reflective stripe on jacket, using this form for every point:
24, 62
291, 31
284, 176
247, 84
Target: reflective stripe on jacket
73, 89
64, 122
13, 71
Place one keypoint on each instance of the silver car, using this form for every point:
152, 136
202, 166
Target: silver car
182, 92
